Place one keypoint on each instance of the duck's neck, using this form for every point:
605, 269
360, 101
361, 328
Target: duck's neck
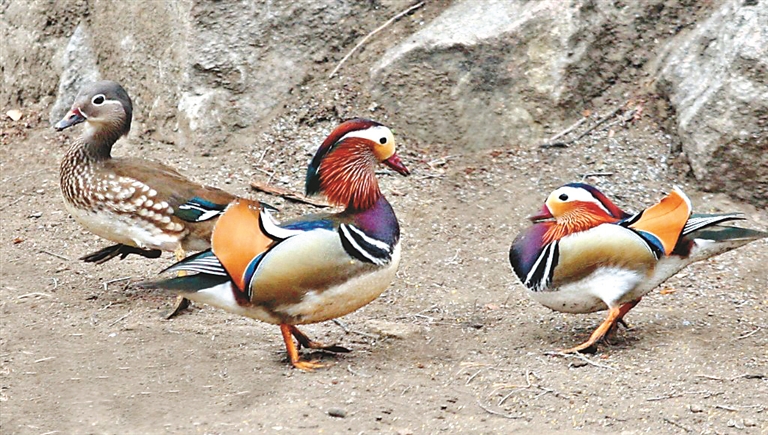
348, 178
94, 144
378, 221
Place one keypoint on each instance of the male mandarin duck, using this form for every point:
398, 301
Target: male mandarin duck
584, 254
143, 206
313, 268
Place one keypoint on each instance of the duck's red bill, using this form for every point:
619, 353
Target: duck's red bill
542, 215
395, 163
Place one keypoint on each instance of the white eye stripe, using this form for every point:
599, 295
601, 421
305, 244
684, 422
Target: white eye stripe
577, 194
374, 134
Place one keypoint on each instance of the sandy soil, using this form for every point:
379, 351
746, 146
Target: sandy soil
454, 345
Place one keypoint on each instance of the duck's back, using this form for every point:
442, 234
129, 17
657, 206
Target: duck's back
137, 202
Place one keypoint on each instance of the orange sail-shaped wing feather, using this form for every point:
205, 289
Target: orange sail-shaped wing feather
238, 238
666, 219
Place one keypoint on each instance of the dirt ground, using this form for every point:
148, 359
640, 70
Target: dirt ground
453, 346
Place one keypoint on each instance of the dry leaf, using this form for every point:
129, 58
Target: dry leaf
14, 114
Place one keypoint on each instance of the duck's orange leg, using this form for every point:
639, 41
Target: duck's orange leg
293, 351
311, 344
615, 315
182, 303
624, 309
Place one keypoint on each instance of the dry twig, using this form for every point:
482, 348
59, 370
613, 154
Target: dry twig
370, 35
551, 143
596, 174
53, 254
356, 373
748, 334
579, 356
107, 283
674, 423
475, 375
286, 193
34, 294
121, 318
600, 121
500, 414
348, 330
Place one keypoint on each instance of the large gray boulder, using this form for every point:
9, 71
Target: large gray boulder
716, 78
492, 73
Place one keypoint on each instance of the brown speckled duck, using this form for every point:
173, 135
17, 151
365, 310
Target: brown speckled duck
144, 206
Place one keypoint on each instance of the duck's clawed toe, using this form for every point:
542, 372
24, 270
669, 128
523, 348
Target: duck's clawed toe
307, 366
588, 347
332, 348
180, 305
308, 343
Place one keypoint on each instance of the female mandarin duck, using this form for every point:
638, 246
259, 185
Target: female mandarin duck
314, 268
143, 206
584, 254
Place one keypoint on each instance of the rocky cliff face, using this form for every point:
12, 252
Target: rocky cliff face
716, 78
472, 74
209, 70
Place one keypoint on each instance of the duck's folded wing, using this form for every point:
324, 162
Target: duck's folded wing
191, 201
314, 261
608, 246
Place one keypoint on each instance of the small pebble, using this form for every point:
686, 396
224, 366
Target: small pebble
696, 408
577, 364
748, 422
336, 412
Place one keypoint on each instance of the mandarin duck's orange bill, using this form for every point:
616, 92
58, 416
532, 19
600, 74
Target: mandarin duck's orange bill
143, 206
584, 254
314, 268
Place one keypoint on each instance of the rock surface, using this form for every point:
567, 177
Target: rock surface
210, 71
473, 75
497, 74
716, 78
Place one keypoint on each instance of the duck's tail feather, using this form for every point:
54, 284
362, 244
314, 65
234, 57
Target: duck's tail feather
184, 284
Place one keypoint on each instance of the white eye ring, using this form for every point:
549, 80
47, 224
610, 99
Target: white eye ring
98, 100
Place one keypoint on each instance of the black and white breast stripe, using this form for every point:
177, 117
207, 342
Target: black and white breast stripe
540, 276
363, 247
271, 228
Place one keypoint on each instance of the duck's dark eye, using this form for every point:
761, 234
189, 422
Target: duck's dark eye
98, 100
563, 197
383, 140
